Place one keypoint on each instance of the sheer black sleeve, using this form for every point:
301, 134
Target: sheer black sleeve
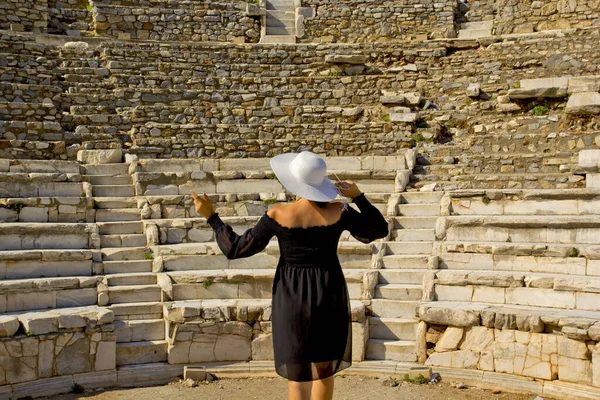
252, 241
366, 225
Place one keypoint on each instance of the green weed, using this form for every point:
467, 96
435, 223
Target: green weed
485, 199
207, 283
419, 380
574, 252
539, 110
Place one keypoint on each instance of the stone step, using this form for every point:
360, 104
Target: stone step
399, 261
474, 33
137, 311
392, 328
124, 267
118, 214
108, 179
477, 25
288, 23
278, 39
394, 291
404, 235
396, 248
385, 308
141, 352
406, 276
107, 169
279, 15
139, 330
131, 279
396, 350
106, 203
120, 228
134, 293
113, 191
26, 268
126, 254
287, 5
417, 210
281, 31
122, 240
414, 222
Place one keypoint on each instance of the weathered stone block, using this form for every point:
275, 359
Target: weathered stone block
477, 338
450, 339
8, 326
583, 103
99, 156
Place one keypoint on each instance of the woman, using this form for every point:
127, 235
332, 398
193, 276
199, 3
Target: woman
312, 335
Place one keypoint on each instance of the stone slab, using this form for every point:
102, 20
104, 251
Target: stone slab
43, 387
584, 103
113, 156
148, 374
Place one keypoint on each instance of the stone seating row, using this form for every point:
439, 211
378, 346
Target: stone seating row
518, 288
28, 93
213, 114
267, 98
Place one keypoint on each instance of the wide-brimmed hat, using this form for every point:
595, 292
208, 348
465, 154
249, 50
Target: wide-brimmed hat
305, 175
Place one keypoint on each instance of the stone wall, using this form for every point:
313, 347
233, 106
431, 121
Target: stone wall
183, 21
479, 10
367, 21
229, 330
522, 16
48, 344
24, 15
543, 356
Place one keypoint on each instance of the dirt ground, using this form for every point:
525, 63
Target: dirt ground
346, 388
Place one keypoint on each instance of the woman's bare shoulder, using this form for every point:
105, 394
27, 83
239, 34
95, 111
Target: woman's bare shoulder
274, 211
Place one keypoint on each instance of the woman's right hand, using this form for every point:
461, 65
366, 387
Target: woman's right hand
348, 189
203, 205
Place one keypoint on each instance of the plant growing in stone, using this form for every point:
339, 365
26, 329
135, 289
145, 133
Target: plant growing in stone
574, 252
207, 283
485, 199
539, 110
419, 380
270, 201
148, 256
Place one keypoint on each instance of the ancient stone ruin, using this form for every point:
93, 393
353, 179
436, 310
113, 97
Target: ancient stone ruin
473, 125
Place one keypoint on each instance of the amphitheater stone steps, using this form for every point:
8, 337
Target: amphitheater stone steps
127, 263
403, 266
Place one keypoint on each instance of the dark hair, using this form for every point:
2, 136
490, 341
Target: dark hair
321, 204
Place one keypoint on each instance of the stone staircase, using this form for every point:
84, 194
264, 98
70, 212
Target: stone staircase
404, 262
281, 22
131, 286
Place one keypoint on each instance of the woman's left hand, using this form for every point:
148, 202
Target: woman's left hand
204, 206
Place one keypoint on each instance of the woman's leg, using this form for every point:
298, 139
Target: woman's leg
323, 389
299, 390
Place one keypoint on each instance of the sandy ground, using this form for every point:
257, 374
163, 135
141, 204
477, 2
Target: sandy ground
346, 388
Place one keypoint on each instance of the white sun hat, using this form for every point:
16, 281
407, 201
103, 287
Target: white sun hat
305, 175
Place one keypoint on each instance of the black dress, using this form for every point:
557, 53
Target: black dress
312, 335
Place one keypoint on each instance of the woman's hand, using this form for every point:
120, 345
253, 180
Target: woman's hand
204, 206
348, 189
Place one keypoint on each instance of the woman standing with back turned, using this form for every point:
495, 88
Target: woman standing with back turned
312, 335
